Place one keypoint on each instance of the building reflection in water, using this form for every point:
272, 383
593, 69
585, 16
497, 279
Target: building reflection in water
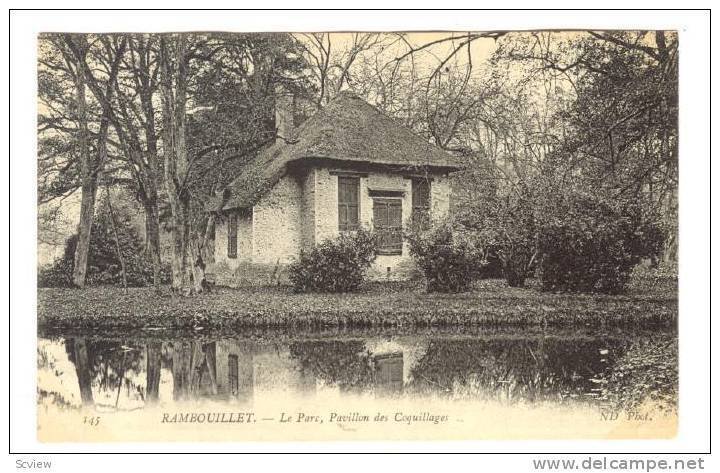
234, 371
388, 373
122, 374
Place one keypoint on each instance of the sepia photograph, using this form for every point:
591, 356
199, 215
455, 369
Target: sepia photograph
447, 235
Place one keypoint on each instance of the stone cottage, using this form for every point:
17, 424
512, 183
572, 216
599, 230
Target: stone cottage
347, 166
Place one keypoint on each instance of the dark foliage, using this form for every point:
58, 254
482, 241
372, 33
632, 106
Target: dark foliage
345, 364
591, 244
645, 376
505, 224
448, 257
494, 267
517, 248
59, 274
103, 263
516, 369
109, 359
337, 265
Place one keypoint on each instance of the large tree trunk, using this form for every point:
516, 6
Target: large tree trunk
152, 214
179, 248
152, 236
181, 369
84, 229
172, 50
90, 166
91, 170
154, 350
209, 352
152, 173
82, 369
152, 232
198, 247
118, 248
89, 181
198, 266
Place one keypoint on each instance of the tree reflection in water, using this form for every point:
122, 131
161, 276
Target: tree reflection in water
105, 368
119, 374
345, 364
529, 369
194, 370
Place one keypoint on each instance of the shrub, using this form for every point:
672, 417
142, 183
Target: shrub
336, 265
59, 274
449, 258
663, 277
505, 223
591, 244
645, 376
103, 266
494, 267
516, 265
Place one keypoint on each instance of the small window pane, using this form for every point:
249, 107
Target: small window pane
379, 214
395, 215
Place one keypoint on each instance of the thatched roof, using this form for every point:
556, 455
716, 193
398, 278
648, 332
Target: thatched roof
347, 131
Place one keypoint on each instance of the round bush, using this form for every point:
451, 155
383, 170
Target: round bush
337, 265
449, 258
591, 244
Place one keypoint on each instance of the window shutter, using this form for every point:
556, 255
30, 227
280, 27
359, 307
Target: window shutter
380, 212
389, 373
387, 221
232, 236
395, 224
233, 378
348, 203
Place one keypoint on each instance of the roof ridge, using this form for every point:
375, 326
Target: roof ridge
351, 94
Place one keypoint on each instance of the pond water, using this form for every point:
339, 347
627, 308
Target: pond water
620, 368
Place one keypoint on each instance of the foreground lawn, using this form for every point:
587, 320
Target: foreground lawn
491, 303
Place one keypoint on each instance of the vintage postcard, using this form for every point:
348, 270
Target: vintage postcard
438, 235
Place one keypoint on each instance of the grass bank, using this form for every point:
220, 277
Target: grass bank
491, 303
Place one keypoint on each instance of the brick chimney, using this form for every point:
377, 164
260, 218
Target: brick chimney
284, 114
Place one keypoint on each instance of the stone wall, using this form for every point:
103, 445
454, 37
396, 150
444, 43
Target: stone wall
307, 228
269, 238
245, 373
440, 190
277, 224
244, 239
301, 211
326, 205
